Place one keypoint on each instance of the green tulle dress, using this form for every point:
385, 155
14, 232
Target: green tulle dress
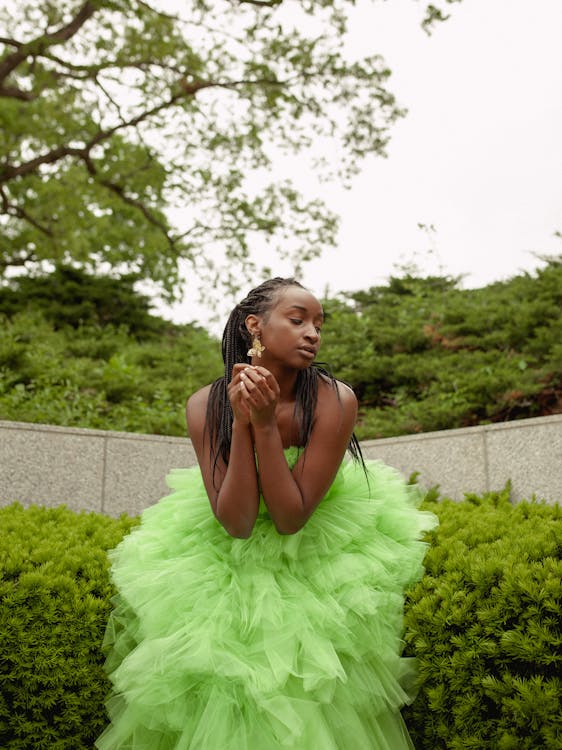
269, 642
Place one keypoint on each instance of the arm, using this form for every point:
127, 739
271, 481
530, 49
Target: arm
233, 490
292, 496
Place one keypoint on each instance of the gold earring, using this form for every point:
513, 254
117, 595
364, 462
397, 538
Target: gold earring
257, 348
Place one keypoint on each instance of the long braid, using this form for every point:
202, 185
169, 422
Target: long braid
236, 341
307, 394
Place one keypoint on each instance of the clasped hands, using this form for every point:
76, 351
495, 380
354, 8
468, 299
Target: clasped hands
253, 393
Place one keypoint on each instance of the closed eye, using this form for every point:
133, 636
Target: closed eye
299, 321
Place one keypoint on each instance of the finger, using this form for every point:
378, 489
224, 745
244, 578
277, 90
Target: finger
233, 387
260, 401
268, 376
264, 379
264, 383
251, 379
239, 366
238, 400
249, 390
236, 370
257, 395
252, 373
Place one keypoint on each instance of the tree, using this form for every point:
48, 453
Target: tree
71, 297
116, 112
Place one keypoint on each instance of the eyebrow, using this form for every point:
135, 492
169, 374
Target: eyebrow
305, 309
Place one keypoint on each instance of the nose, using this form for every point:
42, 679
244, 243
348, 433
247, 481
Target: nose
312, 334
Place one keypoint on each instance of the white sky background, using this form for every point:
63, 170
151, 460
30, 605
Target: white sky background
478, 156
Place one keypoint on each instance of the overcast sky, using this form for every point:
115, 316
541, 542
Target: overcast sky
478, 157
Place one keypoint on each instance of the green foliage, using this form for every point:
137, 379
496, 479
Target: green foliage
54, 603
421, 353
114, 366
424, 355
484, 623
70, 297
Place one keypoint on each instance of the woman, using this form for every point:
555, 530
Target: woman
275, 620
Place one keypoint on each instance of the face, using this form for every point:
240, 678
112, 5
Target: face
290, 331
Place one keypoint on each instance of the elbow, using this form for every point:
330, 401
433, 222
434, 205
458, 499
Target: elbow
288, 527
237, 524
291, 521
238, 533
236, 527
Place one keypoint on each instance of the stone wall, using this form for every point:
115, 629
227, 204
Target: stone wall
116, 472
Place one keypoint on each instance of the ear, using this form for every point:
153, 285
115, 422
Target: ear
252, 323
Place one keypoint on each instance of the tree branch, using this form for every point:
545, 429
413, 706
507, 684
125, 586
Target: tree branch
261, 3
161, 13
120, 191
39, 45
10, 42
93, 70
9, 172
11, 209
12, 92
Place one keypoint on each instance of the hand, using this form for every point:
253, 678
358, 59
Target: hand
259, 392
240, 408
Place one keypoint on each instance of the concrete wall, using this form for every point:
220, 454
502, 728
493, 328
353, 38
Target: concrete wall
116, 472
108, 472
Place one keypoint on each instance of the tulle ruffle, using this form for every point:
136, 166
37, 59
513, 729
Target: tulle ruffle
268, 642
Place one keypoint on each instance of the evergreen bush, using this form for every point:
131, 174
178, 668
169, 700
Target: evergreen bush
485, 626
421, 353
54, 603
101, 378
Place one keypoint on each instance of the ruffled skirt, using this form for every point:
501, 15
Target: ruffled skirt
269, 642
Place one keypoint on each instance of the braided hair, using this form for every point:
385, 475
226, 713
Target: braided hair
236, 341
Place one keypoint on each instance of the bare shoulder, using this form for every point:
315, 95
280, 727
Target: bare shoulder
338, 392
196, 409
335, 397
346, 393
199, 399
334, 422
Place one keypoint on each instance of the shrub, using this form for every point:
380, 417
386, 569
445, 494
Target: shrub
422, 354
102, 378
54, 603
484, 623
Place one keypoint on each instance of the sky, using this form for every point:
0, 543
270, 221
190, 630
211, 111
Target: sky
477, 161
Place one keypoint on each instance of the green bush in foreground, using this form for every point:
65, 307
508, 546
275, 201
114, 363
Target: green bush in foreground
54, 602
484, 623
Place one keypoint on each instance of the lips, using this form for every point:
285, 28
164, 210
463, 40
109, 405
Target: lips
308, 350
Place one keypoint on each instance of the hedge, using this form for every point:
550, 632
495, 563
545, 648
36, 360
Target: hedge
484, 624
54, 600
